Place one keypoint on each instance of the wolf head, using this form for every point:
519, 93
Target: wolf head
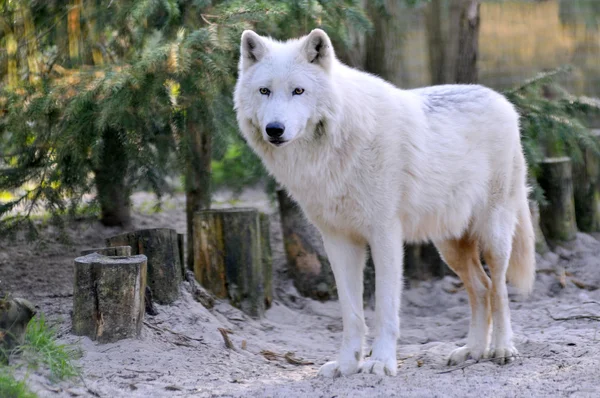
284, 89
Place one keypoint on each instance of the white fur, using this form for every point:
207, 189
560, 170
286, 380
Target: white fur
373, 164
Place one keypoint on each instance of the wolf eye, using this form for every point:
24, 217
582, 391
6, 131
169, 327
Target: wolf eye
298, 91
264, 91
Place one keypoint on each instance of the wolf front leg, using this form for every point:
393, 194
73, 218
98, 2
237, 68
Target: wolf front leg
387, 250
347, 259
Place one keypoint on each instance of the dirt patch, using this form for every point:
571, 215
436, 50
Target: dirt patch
182, 352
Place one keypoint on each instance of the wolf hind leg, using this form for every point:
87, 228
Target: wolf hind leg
462, 256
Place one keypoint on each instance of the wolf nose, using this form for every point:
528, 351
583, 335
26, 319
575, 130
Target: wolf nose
275, 129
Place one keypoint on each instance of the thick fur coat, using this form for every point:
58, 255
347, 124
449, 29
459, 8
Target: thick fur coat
372, 164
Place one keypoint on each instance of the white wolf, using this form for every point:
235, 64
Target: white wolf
373, 164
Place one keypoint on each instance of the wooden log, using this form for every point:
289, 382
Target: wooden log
109, 251
108, 297
181, 244
161, 246
229, 260
15, 314
558, 214
586, 189
541, 246
308, 265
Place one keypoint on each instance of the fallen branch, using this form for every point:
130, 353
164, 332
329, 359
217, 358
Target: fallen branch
574, 317
288, 356
182, 336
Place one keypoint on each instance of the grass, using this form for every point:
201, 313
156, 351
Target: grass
42, 348
42, 351
11, 387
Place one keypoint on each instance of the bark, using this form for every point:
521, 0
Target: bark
198, 171
161, 247
232, 259
15, 314
111, 183
435, 42
586, 185
108, 297
558, 214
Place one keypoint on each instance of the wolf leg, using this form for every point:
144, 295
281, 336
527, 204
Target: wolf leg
347, 259
498, 247
462, 256
387, 250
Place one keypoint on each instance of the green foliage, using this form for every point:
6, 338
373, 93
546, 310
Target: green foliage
165, 68
42, 348
551, 122
11, 387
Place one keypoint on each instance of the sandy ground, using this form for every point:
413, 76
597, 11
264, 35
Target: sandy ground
181, 353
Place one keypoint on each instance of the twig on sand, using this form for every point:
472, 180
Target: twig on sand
466, 365
181, 336
225, 333
288, 356
574, 317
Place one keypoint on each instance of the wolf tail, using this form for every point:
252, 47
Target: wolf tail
521, 267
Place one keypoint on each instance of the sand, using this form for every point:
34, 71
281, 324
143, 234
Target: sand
181, 352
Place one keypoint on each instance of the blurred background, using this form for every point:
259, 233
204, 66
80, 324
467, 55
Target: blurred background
100, 98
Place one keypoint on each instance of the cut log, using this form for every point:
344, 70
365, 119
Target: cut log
557, 216
181, 245
541, 246
109, 251
15, 315
161, 246
423, 262
108, 297
229, 258
308, 265
586, 188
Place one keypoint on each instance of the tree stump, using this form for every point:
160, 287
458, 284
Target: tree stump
586, 187
231, 259
558, 214
108, 297
267, 257
308, 265
161, 246
109, 251
181, 245
540, 241
15, 315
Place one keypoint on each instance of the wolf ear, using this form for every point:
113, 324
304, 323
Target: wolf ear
253, 49
318, 49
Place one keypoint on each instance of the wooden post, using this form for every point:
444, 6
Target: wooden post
230, 259
161, 246
267, 257
308, 265
108, 297
181, 244
109, 251
586, 187
558, 215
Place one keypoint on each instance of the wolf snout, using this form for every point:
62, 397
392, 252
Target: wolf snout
275, 129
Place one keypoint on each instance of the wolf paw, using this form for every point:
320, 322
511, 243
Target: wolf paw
335, 369
504, 355
461, 354
381, 368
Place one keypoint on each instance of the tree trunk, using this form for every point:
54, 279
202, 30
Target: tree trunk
108, 297
307, 261
558, 215
198, 170
468, 42
231, 259
111, 184
435, 42
586, 185
385, 43
161, 247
